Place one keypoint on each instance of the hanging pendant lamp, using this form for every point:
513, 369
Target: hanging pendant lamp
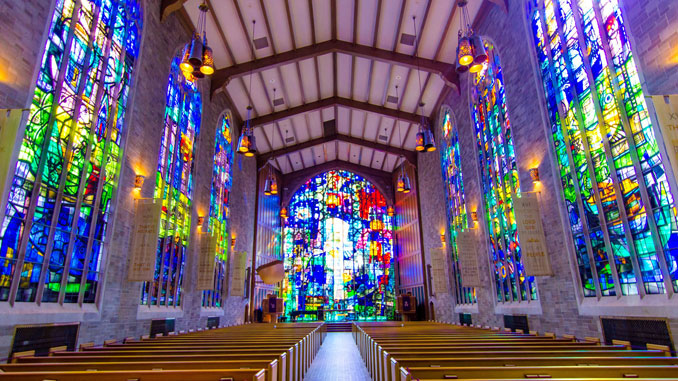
403, 182
198, 58
424, 140
471, 53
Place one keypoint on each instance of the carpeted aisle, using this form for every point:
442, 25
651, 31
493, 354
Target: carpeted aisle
338, 359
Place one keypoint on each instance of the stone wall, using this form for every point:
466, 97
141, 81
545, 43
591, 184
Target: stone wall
652, 25
120, 299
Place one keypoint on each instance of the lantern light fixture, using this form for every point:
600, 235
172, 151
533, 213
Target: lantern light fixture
198, 58
139, 182
403, 181
534, 174
247, 143
390, 211
201, 221
425, 142
283, 213
271, 184
471, 53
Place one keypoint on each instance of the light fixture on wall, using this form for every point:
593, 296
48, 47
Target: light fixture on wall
442, 237
390, 211
247, 144
424, 139
139, 182
474, 216
201, 221
283, 213
198, 58
534, 174
471, 53
233, 238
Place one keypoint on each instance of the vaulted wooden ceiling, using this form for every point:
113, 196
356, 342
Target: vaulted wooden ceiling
334, 65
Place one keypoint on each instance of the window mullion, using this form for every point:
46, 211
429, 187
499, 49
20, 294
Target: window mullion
96, 204
608, 153
610, 163
587, 153
642, 185
485, 174
64, 174
573, 170
35, 193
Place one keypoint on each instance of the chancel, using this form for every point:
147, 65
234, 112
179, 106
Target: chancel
290, 190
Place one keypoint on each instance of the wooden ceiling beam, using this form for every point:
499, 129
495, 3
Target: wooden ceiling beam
447, 72
263, 158
335, 101
167, 7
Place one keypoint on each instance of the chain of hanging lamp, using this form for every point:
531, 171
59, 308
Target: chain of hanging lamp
471, 52
403, 181
425, 141
271, 184
198, 58
247, 144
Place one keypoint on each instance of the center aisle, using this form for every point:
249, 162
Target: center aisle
338, 359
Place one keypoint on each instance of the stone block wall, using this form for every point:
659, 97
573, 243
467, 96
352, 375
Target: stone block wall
120, 299
653, 26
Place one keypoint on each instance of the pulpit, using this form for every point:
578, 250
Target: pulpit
407, 306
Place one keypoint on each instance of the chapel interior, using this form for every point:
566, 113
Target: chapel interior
290, 190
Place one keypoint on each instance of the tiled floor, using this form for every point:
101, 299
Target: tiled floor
338, 359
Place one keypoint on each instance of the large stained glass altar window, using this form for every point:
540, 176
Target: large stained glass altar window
621, 210
339, 249
174, 186
499, 177
222, 180
457, 218
56, 217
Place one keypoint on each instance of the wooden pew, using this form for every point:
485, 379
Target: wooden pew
141, 375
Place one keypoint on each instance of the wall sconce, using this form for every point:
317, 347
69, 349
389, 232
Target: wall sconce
534, 174
139, 182
201, 220
283, 213
390, 211
232, 242
442, 237
474, 216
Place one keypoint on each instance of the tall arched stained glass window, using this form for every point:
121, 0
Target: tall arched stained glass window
621, 210
56, 218
499, 176
222, 180
457, 218
338, 245
174, 186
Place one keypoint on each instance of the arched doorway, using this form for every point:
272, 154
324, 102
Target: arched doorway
338, 249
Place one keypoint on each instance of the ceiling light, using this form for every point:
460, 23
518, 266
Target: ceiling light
471, 53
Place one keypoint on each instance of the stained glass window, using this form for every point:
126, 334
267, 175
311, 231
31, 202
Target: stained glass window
457, 218
499, 177
621, 211
56, 217
174, 186
339, 249
220, 195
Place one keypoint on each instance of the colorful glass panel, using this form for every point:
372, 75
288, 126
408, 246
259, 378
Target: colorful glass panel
54, 229
339, 249
593, 90
174, 186
499, 176
222, 181
457, 218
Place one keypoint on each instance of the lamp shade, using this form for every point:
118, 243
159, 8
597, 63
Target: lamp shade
186, 66
465, 51
244, 143
406, 184
207, 67
274, 186
420, 142
272, 272
267, 187
429, 142
195, 55
400, 184
479, 53
253, 145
